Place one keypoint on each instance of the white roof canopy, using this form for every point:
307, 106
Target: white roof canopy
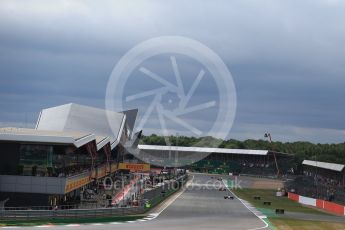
324, 165
74, 117
203, 150
75, 124
32, 135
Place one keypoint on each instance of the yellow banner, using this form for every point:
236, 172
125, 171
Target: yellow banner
102, 172
134, 167
72, 185
98, 173
113, 167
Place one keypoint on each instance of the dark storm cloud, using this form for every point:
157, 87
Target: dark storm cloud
287, 58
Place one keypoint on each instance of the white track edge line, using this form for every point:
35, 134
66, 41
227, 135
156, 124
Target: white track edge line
266, 224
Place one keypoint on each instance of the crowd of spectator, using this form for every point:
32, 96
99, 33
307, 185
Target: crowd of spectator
319, 185
257, 167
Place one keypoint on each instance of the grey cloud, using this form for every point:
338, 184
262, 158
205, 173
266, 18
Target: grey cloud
286, 57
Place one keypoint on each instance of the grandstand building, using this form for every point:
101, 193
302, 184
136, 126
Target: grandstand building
320, 180
217, 160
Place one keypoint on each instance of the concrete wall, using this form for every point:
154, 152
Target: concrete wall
321, 204
31, 184
24, 199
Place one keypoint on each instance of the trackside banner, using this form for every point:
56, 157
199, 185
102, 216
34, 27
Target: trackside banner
134, 167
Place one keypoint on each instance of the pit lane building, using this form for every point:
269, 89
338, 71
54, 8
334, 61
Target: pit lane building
71, 147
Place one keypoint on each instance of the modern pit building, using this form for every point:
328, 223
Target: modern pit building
71, 146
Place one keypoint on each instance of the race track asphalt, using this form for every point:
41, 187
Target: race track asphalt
201, 206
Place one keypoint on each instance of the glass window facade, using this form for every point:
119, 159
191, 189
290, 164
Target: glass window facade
46, 160
35, 159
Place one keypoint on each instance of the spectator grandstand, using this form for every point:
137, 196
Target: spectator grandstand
218, 160
320, 180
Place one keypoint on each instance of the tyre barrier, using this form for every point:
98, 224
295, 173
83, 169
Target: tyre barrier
280, 211
268, 203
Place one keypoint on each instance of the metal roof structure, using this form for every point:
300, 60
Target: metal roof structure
203, 150
131, 116
101, 141
324, 165
74, 117
75, 124
32, 135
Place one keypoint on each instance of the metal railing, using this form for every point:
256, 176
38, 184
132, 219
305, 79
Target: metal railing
7, 215
39, 208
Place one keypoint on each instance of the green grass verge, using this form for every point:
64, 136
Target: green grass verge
70, 221
292, 224
277, 202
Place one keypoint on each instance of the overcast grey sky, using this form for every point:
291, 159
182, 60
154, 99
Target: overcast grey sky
287, 59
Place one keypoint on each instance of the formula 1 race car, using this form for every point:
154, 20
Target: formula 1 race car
222, 189
228, 197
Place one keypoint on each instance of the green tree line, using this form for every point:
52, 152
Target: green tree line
333, 153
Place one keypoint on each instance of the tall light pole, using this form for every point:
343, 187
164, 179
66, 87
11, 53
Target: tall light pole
176, 153
268, 135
